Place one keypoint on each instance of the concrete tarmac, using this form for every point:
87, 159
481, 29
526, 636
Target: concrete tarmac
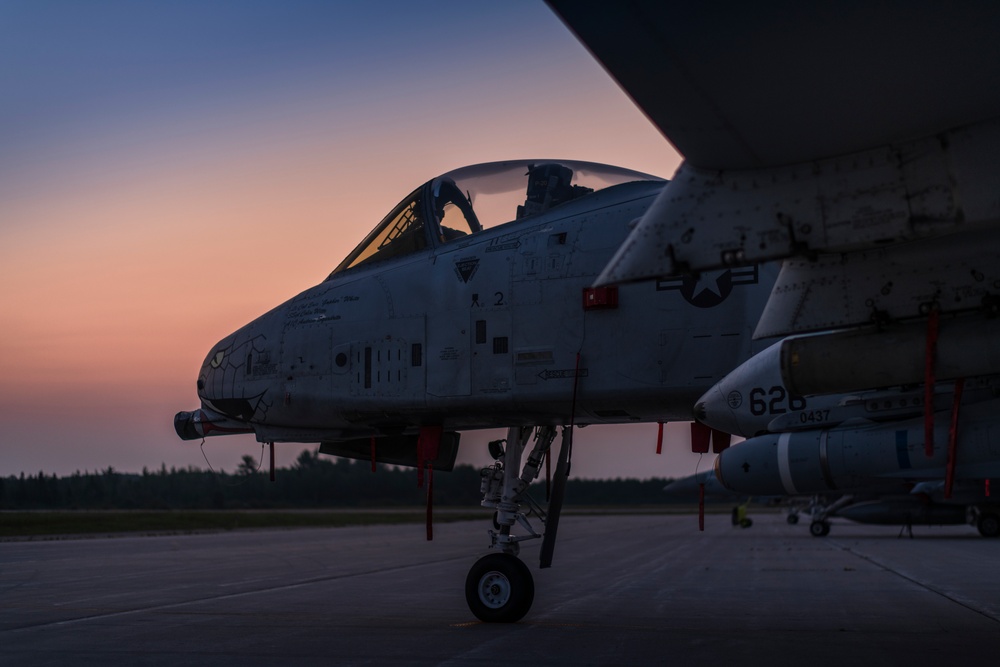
623, 590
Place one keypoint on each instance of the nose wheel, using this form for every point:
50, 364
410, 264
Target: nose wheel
819, 528
499, 588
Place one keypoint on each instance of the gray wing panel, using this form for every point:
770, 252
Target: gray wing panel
750, 85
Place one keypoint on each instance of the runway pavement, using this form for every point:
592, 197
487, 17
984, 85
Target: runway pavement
623, 590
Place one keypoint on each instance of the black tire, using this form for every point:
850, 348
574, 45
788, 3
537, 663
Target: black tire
989, 524
499, 589
819, 529
793, 519
746, 523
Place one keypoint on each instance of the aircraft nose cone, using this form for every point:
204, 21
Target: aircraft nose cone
713, 410
184, 425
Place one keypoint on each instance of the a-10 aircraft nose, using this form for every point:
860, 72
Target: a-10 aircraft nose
223, 410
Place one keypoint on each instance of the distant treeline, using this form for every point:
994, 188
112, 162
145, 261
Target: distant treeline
311, 482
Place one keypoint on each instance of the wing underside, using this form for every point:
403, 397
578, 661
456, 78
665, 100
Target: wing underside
857, 142
751, 85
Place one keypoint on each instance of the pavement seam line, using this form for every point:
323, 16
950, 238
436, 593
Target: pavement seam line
927, 587
227, 596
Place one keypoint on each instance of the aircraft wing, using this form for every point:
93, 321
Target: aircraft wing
751, 85
846, 139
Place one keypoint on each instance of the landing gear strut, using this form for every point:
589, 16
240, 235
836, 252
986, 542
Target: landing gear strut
820, 526
499, 587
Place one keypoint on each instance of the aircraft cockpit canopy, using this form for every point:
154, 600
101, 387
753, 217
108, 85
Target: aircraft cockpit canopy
468, 200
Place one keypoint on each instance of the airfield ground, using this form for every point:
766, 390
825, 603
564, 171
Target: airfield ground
623, 590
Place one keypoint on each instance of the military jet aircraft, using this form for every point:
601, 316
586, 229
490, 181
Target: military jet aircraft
863, 140
859, 144
470, 306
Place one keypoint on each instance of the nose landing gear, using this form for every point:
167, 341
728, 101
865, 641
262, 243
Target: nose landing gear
499, 588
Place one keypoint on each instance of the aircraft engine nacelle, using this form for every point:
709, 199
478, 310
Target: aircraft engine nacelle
838, 459
755, 398
746, 401
860, 359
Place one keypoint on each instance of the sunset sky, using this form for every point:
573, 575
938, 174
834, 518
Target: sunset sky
171, 170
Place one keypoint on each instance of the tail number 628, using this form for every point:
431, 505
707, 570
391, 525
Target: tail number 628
774, 401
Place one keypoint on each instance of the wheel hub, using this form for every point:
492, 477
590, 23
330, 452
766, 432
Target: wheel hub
494, 590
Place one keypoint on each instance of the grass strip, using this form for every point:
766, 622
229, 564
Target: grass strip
38, 524
47, 523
